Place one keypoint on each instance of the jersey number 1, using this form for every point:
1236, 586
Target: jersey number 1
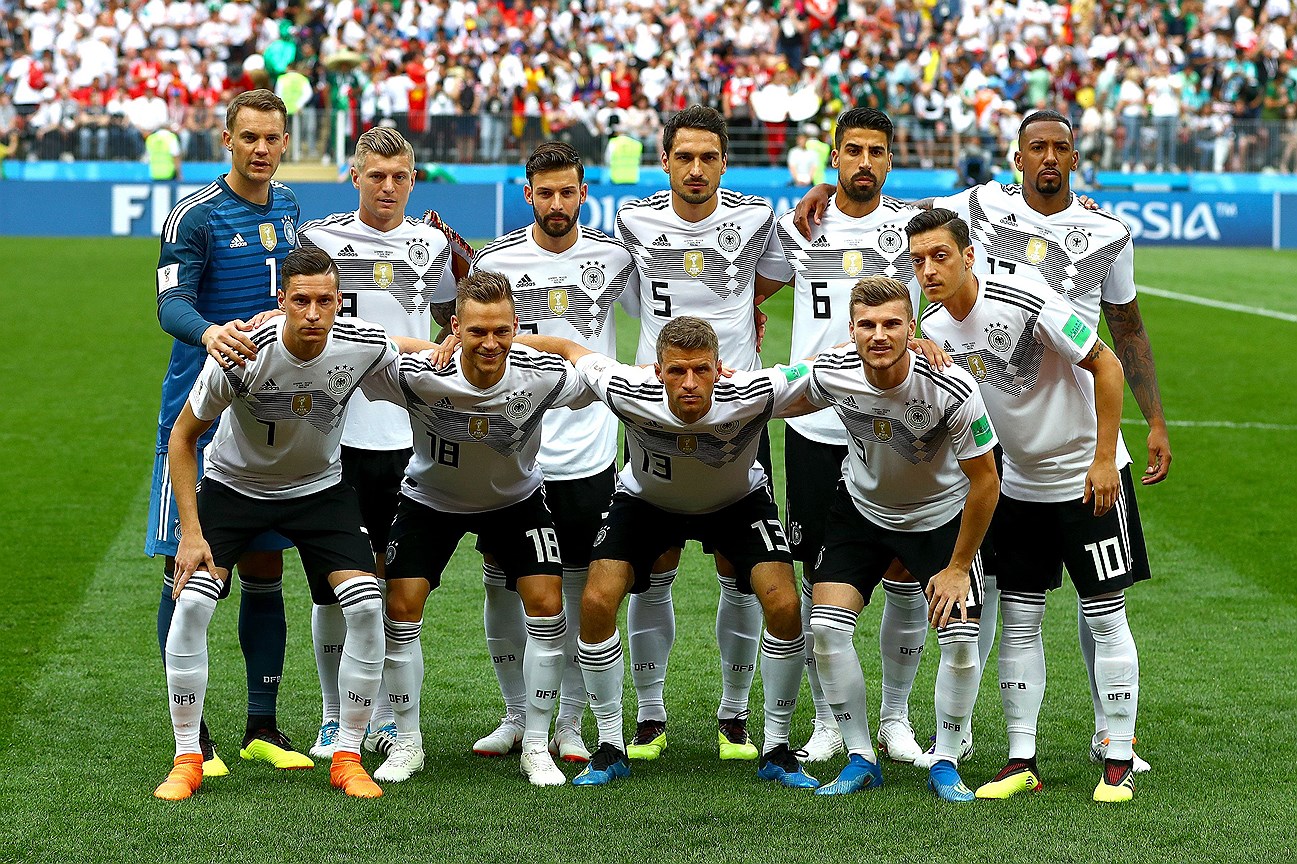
274, 276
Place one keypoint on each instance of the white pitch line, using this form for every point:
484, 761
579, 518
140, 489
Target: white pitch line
1217, 424
1218, 304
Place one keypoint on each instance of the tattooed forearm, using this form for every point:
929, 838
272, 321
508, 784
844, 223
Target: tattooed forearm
441, 313
1130, 343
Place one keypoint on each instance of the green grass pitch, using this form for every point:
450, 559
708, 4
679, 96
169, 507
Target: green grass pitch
84, 733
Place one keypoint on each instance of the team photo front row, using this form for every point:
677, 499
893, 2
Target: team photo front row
918, 494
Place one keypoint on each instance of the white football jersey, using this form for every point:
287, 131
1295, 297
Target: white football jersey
389, 278
706, 269
1084, 255
695, 467
1021, 342
570, 294
282, 434
475, 450
844, 250
906, 442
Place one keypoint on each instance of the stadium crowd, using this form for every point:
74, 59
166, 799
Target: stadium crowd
1177, 85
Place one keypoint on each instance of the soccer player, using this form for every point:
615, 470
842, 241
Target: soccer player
696, 247
692, 472
222, 249
1040, 230
274, 465
396, 271
920, 488
1063, 483
477, 432
862, 233
565, 280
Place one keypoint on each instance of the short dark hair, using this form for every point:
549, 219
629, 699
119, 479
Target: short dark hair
688, 334
308, 261
696, 117
484, 286
863, 118
555, 156
877, 290
257, 100
1048, 115
939, 217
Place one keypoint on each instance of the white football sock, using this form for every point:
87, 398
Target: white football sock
651, 632
403, 674
506, 638
328, 629
571, 693
604, 671
1116, 670
990, 617
956, 688
1086, 640
781, 677
186, 658
841, 676
360, 670
542, 671
823, 711
901, 636
738, 634
1022, 669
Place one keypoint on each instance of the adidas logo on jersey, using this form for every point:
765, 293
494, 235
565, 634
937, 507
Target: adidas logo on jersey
525, 282
662, 241
1009, 220
238, 242
270, 386
821, 242
347, 252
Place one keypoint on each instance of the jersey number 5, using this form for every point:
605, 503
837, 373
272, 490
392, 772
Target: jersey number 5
660, 296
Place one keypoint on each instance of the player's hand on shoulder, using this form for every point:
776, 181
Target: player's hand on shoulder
440, 356
759, 319
228, 344
1103, 484
932, 352
811, 209
261, 318
947, 594
1087, 202
192, 555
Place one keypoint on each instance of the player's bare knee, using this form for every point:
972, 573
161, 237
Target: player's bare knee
405, 599
542, 596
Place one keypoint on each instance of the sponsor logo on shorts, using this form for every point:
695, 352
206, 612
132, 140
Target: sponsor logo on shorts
390, 556
795, 533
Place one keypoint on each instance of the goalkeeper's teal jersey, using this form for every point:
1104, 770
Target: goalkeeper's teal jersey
222, 254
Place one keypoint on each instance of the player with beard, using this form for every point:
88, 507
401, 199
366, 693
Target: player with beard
1041, 230
862, 234
696, 248
566, 278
